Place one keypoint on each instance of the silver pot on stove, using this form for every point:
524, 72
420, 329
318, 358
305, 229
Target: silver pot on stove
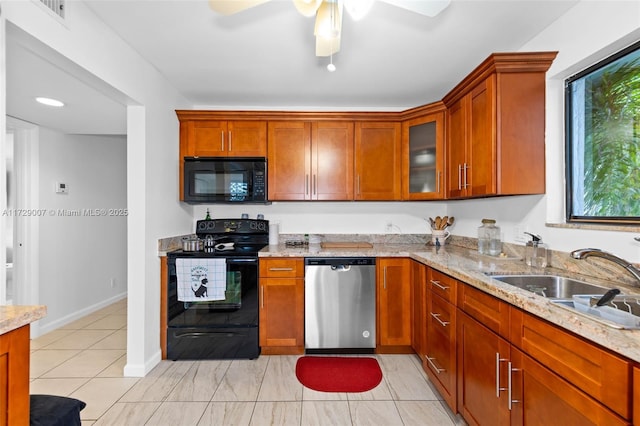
191, 244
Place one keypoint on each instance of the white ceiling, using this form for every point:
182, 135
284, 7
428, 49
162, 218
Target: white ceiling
264, 57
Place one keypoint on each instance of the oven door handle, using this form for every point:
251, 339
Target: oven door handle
233, 260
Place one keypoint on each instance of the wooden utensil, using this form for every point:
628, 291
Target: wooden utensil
438, 222
445, 222
450, 222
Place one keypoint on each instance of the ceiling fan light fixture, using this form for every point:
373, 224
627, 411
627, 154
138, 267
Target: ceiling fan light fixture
329, 19
307, 7
229, 7
327, 46
358, 9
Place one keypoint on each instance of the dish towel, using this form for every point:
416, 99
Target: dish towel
201, 280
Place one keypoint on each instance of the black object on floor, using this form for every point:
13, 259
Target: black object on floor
51, 410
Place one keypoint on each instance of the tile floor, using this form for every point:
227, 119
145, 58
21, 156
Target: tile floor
85, 360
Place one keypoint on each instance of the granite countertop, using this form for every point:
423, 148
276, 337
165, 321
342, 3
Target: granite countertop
469, 266
13, 317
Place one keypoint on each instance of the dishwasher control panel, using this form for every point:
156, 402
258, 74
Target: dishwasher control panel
334, 261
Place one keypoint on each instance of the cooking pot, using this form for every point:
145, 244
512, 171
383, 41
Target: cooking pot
191, 244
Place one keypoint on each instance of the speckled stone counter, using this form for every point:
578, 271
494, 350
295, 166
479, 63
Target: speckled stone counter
467, 265
14, 317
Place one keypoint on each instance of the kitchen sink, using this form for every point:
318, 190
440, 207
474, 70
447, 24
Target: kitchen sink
551, 286
622, 312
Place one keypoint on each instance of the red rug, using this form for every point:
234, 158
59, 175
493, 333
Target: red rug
338, 374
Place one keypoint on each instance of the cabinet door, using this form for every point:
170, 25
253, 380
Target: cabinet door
332, 161
289, 157
482, 373
423, 158
282, 312
206, 138
377, 161
247, 139
481, 174
457, 167
14, 377
540, 397
394, 296
418, 307
440, 355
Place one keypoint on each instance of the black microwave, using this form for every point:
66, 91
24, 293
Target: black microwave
225, 180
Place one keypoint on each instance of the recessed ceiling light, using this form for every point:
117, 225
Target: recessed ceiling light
50, 102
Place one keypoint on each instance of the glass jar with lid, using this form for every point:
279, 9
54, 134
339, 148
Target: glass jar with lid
489, 241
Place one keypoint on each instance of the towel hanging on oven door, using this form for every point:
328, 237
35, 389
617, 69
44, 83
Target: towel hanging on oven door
201, 279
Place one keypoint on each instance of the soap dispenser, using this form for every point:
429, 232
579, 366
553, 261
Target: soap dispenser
535, 253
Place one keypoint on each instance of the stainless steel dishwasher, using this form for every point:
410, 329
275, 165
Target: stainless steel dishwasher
340, 304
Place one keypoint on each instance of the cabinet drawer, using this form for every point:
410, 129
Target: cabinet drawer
488, 310
440, 356
443, 285
282, 267
601, 374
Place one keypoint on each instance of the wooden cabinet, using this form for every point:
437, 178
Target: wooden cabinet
14, 377
636, 395
281, 305
423, 157
394, 298
605, 376
418, 307
514, 368
439, 360
378, 161
310, 160
216, 138
482, 376
495, 137
540, 397
483, 357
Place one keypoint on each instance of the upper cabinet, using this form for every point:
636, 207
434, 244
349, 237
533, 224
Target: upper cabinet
423, 156
310, 160
377, 161
217, 138
496, 127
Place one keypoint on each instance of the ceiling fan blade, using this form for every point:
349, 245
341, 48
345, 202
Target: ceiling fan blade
423, 7
229, 7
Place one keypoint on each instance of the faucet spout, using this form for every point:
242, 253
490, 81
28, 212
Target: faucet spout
586, 252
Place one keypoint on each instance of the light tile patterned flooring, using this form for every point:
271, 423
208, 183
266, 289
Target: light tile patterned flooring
85, 360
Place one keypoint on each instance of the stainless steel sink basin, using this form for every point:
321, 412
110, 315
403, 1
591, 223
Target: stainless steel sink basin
551, 286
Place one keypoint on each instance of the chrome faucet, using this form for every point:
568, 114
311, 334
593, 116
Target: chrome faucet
586, 252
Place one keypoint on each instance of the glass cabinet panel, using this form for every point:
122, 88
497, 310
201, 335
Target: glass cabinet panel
423, 158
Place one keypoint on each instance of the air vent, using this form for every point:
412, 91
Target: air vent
57, 6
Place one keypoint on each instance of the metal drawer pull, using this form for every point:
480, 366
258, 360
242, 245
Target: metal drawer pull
440, 286
222, 140
437, 317
262, 296
434, 366
281, 269
509, 394
498, 361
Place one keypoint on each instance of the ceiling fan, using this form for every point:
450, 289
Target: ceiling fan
328, 25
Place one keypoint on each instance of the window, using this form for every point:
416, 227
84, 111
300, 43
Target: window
603, 140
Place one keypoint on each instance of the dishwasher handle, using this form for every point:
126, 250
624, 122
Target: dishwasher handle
341, 268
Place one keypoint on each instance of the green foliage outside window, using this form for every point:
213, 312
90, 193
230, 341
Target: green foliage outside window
603, 133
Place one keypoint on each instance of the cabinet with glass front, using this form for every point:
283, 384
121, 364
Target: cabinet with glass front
423, 157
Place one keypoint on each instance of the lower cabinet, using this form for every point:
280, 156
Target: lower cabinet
418, 307
439, 359
540, 397
503, 366
482, 374
14, 377
394, 296
281, 324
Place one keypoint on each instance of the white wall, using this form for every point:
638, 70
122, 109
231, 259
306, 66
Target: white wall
80, 251
152, 152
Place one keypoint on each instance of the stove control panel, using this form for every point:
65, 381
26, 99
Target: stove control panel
232, 226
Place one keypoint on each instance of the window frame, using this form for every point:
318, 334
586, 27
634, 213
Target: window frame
568, 132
